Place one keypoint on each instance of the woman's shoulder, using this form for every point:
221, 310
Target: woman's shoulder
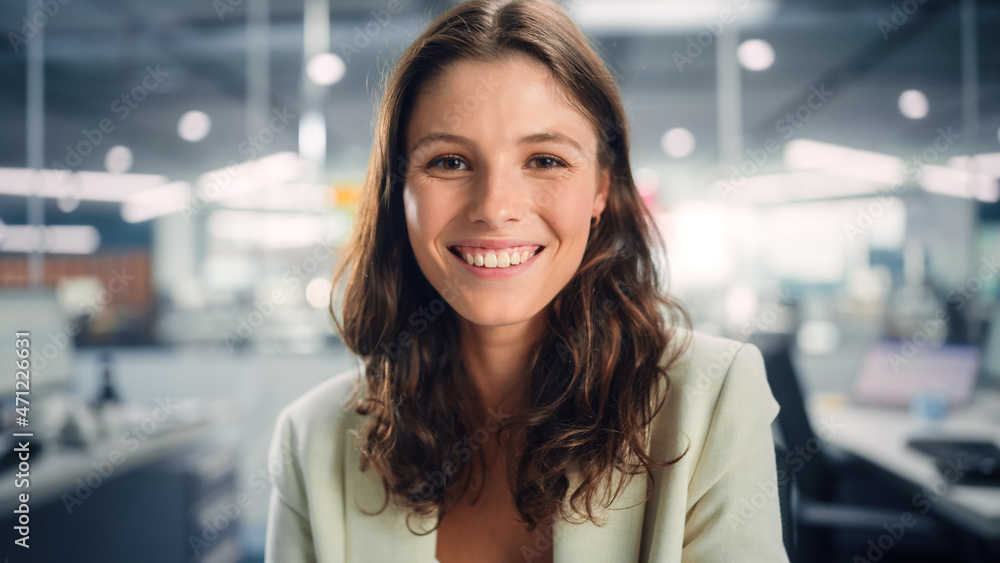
714, 371
324, 409
706, 360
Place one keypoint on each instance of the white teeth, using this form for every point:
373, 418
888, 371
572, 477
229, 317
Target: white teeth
502, 259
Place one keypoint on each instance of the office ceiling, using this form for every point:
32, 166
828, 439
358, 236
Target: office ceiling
98, 50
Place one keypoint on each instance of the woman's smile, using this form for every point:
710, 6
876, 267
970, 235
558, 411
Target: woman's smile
494, 263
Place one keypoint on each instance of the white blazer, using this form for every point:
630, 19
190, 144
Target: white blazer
718, 504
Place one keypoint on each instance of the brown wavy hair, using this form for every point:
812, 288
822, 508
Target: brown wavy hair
596, 372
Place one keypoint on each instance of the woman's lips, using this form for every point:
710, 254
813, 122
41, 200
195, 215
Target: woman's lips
489, 263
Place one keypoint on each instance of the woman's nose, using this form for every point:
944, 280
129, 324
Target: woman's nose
497, 196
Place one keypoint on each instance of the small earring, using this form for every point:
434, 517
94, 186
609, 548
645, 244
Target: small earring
594, 221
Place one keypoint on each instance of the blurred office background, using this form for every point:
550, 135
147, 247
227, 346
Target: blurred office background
175, 178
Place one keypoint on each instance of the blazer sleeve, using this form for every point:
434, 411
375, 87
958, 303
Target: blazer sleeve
736, 516
289, 534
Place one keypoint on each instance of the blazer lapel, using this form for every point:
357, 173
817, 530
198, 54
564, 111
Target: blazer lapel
618, 539
382, 537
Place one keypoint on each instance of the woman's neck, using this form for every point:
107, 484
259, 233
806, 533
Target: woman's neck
495, 358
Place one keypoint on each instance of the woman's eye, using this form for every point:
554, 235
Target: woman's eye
546, 162
449, 163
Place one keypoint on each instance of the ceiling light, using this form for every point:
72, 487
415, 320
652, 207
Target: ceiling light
118, 160
326, 69
985, 164
677, 142
318, 293
805, 154
96, 186
913, 104
798, 186
638, 16
959, 183
267, 230
755, 54
54, 239
156, 202
194, 126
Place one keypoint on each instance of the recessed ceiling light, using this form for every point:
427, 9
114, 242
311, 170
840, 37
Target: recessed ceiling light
118, 160
194, 126
913, 104
755, 54
326, 69
318, 293
677, 142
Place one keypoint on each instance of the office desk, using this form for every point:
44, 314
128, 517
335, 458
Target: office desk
135, 499
878, 437
57, 468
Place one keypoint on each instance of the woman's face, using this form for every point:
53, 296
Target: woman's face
502, 170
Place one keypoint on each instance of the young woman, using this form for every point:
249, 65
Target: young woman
528, 391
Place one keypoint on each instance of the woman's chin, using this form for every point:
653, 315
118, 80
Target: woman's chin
492, 315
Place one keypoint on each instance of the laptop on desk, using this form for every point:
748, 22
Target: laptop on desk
894, 372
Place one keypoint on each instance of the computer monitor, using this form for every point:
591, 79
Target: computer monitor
990, 372
894, 372
36, 312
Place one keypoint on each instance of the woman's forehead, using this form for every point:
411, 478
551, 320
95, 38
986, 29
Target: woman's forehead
519, 97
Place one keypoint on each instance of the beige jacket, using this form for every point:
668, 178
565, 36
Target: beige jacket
718, 504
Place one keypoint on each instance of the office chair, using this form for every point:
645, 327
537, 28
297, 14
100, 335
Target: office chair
785, 494
820, 480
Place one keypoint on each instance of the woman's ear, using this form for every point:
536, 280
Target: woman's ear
603, 185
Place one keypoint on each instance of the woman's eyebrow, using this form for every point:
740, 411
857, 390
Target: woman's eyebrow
442, 137
547, 136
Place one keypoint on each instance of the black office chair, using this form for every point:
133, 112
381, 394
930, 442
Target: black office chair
820, 482
786, 488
